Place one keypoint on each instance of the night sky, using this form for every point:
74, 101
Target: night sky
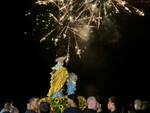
120, 68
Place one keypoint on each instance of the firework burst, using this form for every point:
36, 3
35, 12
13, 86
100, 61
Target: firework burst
75, 19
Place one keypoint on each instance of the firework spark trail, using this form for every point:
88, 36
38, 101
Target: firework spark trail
44, 38
76, 17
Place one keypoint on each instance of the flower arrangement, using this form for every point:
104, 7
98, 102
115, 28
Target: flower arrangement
58, 104
82, 102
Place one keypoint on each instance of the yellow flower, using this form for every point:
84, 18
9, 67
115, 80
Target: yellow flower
48, 99
61, 107
56, 100
62, 99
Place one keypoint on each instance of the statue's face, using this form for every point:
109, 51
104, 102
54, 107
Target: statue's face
61, 63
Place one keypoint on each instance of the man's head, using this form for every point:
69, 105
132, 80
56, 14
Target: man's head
7, 106
73, 100
92, 103
137, 104
113, 103
34, 103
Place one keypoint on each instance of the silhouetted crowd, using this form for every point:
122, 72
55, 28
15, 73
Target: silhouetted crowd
93, 106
